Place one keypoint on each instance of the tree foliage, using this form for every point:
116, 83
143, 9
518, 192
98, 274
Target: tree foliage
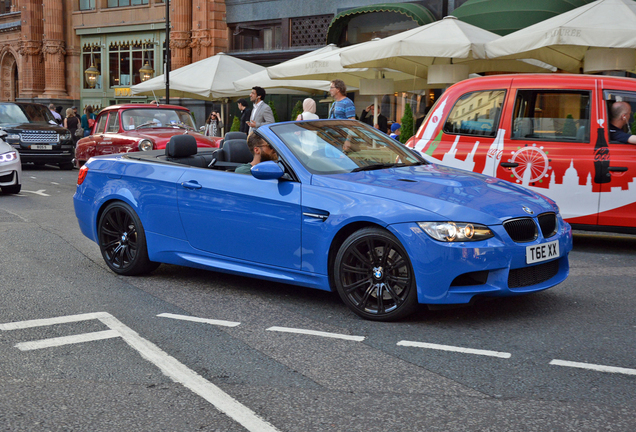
298, 109
271, 105
406, 129
236, 124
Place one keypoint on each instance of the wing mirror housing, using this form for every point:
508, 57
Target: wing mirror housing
267, 171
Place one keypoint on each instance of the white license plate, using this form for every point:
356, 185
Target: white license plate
542, 252
41, 147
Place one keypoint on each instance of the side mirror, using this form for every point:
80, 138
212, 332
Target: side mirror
267, 171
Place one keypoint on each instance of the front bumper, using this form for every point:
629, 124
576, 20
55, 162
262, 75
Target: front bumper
455, 273
59, 153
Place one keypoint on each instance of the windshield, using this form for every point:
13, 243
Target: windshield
28, 113
156, 117
339, 146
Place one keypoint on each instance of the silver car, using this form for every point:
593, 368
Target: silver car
10, 167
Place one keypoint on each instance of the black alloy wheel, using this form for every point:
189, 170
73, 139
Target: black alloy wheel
122, 241
374, 276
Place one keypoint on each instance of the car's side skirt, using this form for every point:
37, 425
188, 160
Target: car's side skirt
170, 250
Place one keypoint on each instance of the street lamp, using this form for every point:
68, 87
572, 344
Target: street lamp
146, 72
91, 73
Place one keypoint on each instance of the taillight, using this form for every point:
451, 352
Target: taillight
82, 174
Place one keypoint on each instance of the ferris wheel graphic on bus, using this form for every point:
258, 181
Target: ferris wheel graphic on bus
534, 164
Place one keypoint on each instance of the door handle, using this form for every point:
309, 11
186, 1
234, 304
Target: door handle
191, 185
617, 169
509, 164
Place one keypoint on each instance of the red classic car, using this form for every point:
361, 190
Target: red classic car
137, 127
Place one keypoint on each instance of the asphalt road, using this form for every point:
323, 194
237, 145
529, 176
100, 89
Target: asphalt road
560, 360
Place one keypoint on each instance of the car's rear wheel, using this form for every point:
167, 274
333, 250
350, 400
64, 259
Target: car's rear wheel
122, 241
15, 189
374, 276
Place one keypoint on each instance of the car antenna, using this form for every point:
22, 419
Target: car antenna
155, 96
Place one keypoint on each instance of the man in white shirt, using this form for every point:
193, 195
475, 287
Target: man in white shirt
261, 112
56, 115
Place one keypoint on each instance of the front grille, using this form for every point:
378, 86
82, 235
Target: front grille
527, 276
521, 230
39, 137
548, 224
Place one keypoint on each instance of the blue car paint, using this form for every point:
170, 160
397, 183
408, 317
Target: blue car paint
296, 222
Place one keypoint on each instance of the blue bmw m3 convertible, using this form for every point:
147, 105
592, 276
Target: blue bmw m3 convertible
340, 207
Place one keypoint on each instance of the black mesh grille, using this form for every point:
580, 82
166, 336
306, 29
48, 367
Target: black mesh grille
527, 276
548, 224
521, 230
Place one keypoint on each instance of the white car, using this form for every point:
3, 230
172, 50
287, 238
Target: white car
10, 168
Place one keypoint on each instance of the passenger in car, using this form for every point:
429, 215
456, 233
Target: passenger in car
620, 115
262, 152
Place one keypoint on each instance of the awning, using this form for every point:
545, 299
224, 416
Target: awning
417, 13
507, 16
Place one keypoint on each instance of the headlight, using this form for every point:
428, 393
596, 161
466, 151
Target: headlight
13, 137
456, 231
145, 145
66, 136
8, 157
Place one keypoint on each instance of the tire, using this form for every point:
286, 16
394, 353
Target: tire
122, 241
15, 189
374, 276
66, 166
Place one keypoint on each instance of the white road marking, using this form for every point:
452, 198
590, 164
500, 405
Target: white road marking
200, 320
594, 367
54, 183
66, 340
51, 321
170, 366
455, 349
40, 192
317, 333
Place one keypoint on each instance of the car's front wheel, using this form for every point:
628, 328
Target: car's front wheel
374, 276
122, 241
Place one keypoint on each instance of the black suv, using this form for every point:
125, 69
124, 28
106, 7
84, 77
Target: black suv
32, 130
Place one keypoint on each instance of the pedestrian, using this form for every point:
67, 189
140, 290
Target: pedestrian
261, 113
214, 125
72, 122
56, 115
395, 131
343, 107
74, 108
88, 120
309, 110
367, 117
246, 112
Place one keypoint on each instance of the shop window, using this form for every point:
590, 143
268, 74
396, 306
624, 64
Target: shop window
552, 115
364, 27
125, 60
465, 119
266, 37
92, 56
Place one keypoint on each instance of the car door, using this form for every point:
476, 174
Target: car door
618, 194
238, 216
88, 147
550, 148
470, 135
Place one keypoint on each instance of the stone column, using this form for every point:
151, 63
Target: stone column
30, 49
181, 26
54, 52
209, 29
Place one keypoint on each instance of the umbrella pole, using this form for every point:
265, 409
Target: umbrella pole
375, 103
223, 118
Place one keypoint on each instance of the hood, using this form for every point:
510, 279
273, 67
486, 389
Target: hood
17, 127
453, 194
161, 136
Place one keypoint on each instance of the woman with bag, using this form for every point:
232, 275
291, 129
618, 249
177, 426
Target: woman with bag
72, 123
309, 110
213, 125
88, 120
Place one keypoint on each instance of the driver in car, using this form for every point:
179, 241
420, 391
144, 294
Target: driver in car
262, 152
